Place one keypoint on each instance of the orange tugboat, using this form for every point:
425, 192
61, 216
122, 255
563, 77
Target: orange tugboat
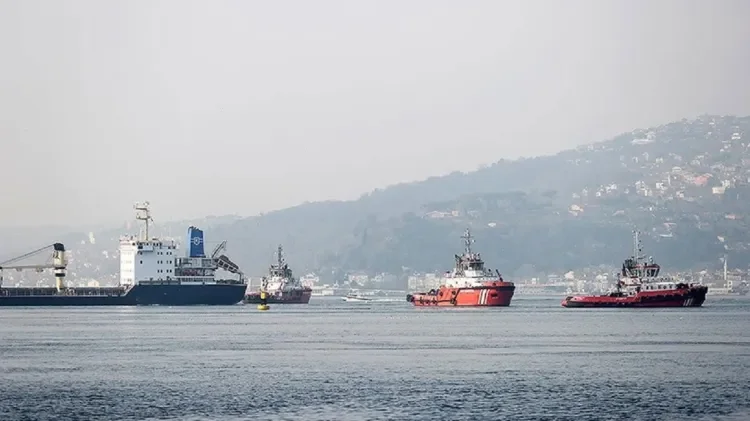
639, 285
469, 284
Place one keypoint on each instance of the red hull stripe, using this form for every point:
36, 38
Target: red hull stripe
493, 296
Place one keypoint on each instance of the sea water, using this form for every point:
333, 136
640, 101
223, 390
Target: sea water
335, 360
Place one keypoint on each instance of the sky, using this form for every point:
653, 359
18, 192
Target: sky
239, 107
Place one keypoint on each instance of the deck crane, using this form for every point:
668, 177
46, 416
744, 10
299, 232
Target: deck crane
221, 247
57, 261
223, 261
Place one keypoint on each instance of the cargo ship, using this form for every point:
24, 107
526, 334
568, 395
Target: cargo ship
469, 284
639, 284
151, 273
281, 286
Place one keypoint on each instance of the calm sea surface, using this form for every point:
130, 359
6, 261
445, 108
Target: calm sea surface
333, 360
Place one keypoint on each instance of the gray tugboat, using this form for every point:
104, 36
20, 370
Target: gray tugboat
281, 286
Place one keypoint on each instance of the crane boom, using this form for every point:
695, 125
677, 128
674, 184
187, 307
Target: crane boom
57, 261
222, 246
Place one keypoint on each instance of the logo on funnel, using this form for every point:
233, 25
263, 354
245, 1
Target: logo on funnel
197, 241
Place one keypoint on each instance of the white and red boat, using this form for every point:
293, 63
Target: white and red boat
469, 284
639, 284
357, 298
281, 286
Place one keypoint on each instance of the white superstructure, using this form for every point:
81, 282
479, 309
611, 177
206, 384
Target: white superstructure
469, 270
280, 279
640, 273
146, 260
157, 260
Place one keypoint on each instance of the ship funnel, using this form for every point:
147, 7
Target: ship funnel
195, 242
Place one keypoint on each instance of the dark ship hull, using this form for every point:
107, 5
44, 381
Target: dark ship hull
166, 294
640, 286
693, 296
292, 297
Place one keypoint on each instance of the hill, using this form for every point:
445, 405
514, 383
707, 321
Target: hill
685, 184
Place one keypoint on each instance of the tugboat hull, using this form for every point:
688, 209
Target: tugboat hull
693, 296
497, 294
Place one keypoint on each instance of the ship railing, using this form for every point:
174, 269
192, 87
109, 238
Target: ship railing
230, 281
179, 281
50, 291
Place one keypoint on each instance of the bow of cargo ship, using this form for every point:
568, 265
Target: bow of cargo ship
469, 284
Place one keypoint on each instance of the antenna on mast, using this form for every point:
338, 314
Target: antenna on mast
637, 248
143, 213
468, 239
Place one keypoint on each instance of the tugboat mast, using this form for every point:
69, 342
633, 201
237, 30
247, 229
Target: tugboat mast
279, 256
638, 247
468, 239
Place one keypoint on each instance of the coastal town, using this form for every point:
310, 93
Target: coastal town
681, 179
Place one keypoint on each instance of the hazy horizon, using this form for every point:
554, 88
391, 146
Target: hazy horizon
221, 108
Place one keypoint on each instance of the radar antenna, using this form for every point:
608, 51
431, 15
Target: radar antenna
143, 213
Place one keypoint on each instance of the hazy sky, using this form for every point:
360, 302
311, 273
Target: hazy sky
215, 107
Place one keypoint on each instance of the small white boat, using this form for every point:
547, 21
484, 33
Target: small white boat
355, 298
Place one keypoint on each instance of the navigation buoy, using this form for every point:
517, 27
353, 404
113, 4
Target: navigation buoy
263, 306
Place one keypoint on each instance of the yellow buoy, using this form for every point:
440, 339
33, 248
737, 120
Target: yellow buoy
263, 306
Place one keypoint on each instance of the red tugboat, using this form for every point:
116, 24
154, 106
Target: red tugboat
281, 286
639, 285
469, 284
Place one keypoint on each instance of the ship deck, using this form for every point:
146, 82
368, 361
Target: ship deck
50, 291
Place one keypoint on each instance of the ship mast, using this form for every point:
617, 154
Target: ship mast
279, 258
143, 213
468, 239
637, 247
